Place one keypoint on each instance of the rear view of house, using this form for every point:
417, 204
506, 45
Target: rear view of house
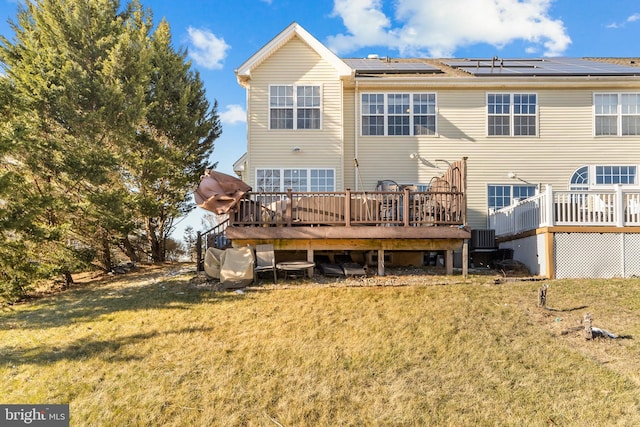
457, 140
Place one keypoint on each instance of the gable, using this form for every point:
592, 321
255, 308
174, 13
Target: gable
243, 73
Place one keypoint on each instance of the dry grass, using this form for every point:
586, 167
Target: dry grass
162, 347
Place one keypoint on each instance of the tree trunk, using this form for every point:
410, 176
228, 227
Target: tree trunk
106, 252
130, 250
68, 279
157, 254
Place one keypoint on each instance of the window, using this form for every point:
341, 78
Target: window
294, 107
503, 195
424, 114
322, 180
580, 179
616, 114
276, 180
512, 114
295, 179
608, 175
398, 114
372, 114
587, 177
268, 180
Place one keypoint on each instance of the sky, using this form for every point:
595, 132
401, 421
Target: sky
220, 35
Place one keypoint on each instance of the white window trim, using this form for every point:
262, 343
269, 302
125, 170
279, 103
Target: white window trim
512, 115
595, 186
619, 115
282, 169
295, 107
411, 114
512, 185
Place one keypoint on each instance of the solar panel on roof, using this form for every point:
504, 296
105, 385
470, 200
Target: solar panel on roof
381, 66
541, 67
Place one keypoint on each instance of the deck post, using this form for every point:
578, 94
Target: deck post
405, 207
380, 262
550, 209
465, 258
449, 262
289, 207
310, 259
347, 207
619, 206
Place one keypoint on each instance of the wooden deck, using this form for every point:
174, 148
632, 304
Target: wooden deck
399, 219
352, 221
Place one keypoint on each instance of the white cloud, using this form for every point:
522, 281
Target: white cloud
207, 50
234, 114
633, 18
438, 27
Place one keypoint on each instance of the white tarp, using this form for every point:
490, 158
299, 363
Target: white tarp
233, 267
237, 267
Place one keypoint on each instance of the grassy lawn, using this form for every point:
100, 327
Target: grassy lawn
160, 347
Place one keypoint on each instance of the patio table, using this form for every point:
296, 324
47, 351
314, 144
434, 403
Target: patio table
303, 266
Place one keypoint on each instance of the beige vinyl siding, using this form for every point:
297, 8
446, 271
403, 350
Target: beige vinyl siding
349, 120
565, 142
295, 63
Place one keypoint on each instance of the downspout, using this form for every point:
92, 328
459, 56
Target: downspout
248, 174
355, 130
343, 176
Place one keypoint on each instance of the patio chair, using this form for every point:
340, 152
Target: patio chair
265, 261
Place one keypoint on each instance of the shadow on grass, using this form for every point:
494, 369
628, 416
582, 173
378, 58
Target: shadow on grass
566, 310
142, 293
107, 350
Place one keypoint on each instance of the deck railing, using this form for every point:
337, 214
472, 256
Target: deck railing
214, 237
577, 208
350, 208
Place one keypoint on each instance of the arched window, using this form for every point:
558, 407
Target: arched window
580, 179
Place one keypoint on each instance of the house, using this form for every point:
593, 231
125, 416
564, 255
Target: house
511, 128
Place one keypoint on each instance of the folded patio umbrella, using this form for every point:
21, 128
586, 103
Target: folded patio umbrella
219, 192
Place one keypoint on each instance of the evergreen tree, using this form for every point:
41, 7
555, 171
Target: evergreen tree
190, 241
173, 144
106, 129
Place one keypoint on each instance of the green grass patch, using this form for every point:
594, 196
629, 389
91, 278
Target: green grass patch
165, 349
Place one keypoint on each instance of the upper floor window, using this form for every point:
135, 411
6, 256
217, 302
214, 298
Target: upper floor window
617, 114
277, 180
294, 107
392, 114
512, 114
503, 195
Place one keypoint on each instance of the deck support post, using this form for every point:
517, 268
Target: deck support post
380, 262
465, 258
449, 262
310, 259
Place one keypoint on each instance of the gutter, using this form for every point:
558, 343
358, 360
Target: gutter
355, 136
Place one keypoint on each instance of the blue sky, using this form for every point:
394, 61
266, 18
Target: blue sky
221, 34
